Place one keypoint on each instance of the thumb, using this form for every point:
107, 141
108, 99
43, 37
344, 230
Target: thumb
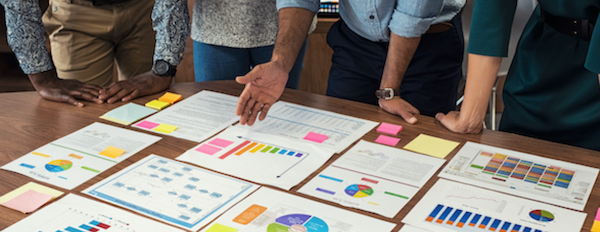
249, 77
408, 116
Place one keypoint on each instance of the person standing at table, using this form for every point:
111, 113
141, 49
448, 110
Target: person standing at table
373, 44
231, 37
552, 90
86, 37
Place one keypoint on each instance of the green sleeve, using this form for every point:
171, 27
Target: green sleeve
491, 24
592, 61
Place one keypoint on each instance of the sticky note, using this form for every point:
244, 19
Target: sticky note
112, 152
128, 113
220, 142
387, 140
221, 228
315, 137
165, 128
596, 225
147, 125
250, 214
389, 128
433, 146
30, 186
170, 97
208, 149
157, 105
28, 201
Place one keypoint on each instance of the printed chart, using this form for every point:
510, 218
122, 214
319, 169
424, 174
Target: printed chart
452, 206
73, 213
275, 211
266, 159
197, 117
374, 177
72, 160
295, 122
552, 181
173, 192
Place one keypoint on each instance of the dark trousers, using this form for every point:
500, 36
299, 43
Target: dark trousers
430, 83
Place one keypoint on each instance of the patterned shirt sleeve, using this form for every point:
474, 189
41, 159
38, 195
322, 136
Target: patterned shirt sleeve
25, 34
171, 21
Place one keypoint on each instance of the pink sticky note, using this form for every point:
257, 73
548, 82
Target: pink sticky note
597, 215
28, 201
208, 149
147, 125
389, 128
387, 140
316, 137
220, 142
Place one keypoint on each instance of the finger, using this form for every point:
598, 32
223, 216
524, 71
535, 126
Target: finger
407, 116
110, 91
118, 96
249, 77
89, 97
264, 111
242, 103
70, 99
132, 95
247, 112
255, 111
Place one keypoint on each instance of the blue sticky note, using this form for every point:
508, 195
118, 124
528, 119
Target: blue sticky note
128, 113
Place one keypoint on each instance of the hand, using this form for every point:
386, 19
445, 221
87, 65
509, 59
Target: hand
264, 85
144, 84
400, 107
454, 122
50, 87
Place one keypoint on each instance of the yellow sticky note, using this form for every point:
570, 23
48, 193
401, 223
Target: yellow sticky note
433, 146
170, 97
165, 128
30, 186
157, 105
221, 228
112, 152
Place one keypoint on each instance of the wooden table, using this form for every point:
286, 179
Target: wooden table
28, 122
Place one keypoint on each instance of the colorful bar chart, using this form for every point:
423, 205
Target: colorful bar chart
247, 146
448, 216
93, 226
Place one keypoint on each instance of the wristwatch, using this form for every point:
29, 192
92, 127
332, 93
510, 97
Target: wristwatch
387, 93
163, 68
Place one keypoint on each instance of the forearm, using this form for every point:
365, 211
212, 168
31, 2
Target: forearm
40, 79
400, 53
293, 30
482, 72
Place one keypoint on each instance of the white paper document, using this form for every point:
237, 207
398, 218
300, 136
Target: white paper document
267, 159
196, 117
374, 177
73, 213
74, 159
173, 192
296, 122
453, 206
275, 211
409, 228
535, 177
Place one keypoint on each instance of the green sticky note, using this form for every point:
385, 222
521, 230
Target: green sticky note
128, 113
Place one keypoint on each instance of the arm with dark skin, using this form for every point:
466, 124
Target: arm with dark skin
50, 87
141, 85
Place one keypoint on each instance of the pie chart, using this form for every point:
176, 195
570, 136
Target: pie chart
359, 190
541, 215
298, 223
59, 165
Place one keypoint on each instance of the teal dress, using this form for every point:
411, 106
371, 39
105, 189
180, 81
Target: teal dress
552, 90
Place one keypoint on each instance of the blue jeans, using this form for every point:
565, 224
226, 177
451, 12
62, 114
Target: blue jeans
213, 62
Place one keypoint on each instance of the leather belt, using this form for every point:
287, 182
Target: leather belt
578, 28
439, 28
106, 2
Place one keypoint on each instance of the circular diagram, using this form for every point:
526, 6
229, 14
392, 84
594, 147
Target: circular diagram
298, 223
59, 165
541, 215
359, 190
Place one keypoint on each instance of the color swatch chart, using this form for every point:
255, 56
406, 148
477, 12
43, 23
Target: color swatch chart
263, 158
453, 206
535, 177
171, 191
73, 213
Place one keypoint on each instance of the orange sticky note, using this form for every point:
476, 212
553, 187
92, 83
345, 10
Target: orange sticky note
249, 214
28, 201
157, 105
112, 152
170, 97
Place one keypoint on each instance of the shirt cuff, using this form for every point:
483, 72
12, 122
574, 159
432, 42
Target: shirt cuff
409, 26
39, 62
312, 5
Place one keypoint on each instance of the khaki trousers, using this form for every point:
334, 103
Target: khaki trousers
85, 40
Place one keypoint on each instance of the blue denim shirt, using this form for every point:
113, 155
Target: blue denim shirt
374, 19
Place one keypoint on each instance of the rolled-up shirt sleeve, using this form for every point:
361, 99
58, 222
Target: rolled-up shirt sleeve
412, 18
171, 21
312, 5
26, 35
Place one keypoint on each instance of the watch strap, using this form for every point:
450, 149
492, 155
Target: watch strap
387, 93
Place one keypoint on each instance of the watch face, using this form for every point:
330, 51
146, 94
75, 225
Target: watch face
161, 67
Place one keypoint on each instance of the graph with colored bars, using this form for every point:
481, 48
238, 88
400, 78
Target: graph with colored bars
93, 226
217, 144
503, 167
464, 220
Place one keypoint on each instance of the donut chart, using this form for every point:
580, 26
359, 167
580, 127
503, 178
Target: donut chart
541, 215
359, 190
58, 165
298, 223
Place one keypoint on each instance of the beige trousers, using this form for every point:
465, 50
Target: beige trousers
85, 40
